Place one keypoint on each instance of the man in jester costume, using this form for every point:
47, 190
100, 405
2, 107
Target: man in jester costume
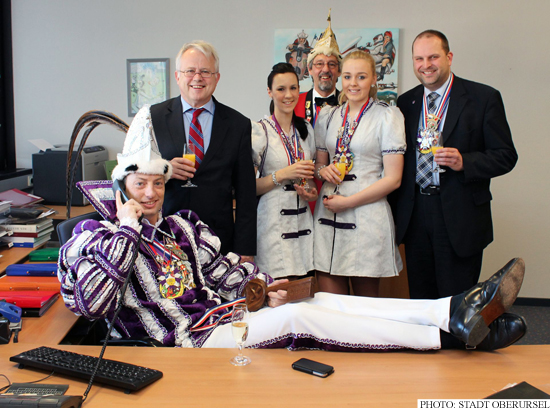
181, 289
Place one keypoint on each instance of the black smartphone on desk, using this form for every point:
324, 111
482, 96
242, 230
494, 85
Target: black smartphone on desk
313, 367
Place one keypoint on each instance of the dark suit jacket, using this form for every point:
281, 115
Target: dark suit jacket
476, 125
227, 165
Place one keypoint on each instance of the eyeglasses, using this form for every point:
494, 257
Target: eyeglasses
331, 65
190, 73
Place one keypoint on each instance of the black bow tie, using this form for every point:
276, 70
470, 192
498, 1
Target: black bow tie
331, 100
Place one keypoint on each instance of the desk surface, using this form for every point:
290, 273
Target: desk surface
50, 328
205, 378
75, 211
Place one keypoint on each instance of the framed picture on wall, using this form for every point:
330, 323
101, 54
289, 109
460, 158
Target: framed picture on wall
148, 82
294, 45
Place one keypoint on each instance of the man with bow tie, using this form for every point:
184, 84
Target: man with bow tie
442, 210
324, 68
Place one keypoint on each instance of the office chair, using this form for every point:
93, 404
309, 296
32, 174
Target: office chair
65, 228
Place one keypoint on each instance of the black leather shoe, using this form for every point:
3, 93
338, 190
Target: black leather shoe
474, 310
504, 331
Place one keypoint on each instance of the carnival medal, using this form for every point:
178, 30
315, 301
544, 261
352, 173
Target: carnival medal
344, 155
175, 275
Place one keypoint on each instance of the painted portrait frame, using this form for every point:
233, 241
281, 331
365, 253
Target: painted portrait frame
148, 82
293, 46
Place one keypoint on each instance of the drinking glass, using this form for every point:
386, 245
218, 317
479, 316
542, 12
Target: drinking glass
437, 143
341, 166
303, 182
189, 154
239, 329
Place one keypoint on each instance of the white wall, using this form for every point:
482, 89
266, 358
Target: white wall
70, 57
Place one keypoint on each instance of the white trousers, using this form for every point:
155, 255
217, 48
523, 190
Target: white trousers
340, 322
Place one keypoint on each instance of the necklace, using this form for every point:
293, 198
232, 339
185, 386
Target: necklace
291, 144
343, 153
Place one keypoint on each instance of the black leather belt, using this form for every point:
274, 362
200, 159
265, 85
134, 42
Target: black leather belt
430, 190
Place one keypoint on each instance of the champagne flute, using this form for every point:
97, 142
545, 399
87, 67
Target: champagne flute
341, 166
239, 329
437, 143
189, 154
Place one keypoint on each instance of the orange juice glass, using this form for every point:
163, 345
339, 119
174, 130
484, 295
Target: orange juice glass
341, 168
190, 157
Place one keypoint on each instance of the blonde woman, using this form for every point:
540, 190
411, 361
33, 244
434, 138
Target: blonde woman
360, 146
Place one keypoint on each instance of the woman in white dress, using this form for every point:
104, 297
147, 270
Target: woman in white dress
283, 149
354, 228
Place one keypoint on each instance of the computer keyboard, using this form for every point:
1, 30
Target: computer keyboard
114, 373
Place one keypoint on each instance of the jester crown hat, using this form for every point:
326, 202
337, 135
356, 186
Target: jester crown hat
140, 153
326, 44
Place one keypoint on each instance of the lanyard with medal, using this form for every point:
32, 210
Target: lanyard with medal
175, 275
293, 148
343, 153
429, 133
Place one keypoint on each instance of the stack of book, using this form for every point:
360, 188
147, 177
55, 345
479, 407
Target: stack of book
27, 233
22, 222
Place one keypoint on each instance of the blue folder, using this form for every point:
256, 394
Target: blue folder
39, 269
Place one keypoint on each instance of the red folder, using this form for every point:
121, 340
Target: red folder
43, 283
34, 303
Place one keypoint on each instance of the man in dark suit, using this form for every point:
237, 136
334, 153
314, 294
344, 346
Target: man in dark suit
444, 219
224, 163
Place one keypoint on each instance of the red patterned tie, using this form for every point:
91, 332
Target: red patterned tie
195, 137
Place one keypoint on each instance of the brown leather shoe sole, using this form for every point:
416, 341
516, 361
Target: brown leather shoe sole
504, 298
507, 293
